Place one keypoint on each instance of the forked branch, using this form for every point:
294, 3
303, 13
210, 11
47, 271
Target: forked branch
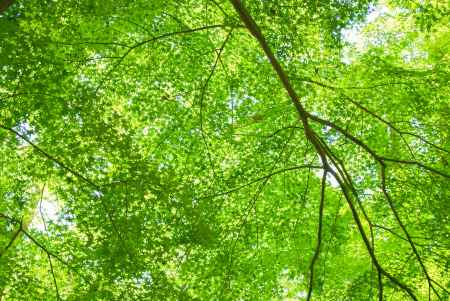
313, 138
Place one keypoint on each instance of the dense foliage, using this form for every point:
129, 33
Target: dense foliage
224, 150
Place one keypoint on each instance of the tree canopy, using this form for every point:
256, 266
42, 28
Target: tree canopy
224, 150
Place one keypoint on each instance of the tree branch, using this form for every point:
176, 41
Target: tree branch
319, 236
314, 139
366, 241
58, 297
202, 96
376, 116
256, 32
151, 40
52, 158
41, 246
377, 157
72, 171
5, 4
11, 242
404, 230
268, 176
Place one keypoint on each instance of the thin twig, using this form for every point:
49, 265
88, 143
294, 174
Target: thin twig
76, 174
52, 158
319, 236
151, 40
268, 176
403, 227
11, 242
202, 96
376, 116
376, 156
58, 297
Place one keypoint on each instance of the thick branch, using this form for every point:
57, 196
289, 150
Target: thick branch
314, 139
256, 32
380, 286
